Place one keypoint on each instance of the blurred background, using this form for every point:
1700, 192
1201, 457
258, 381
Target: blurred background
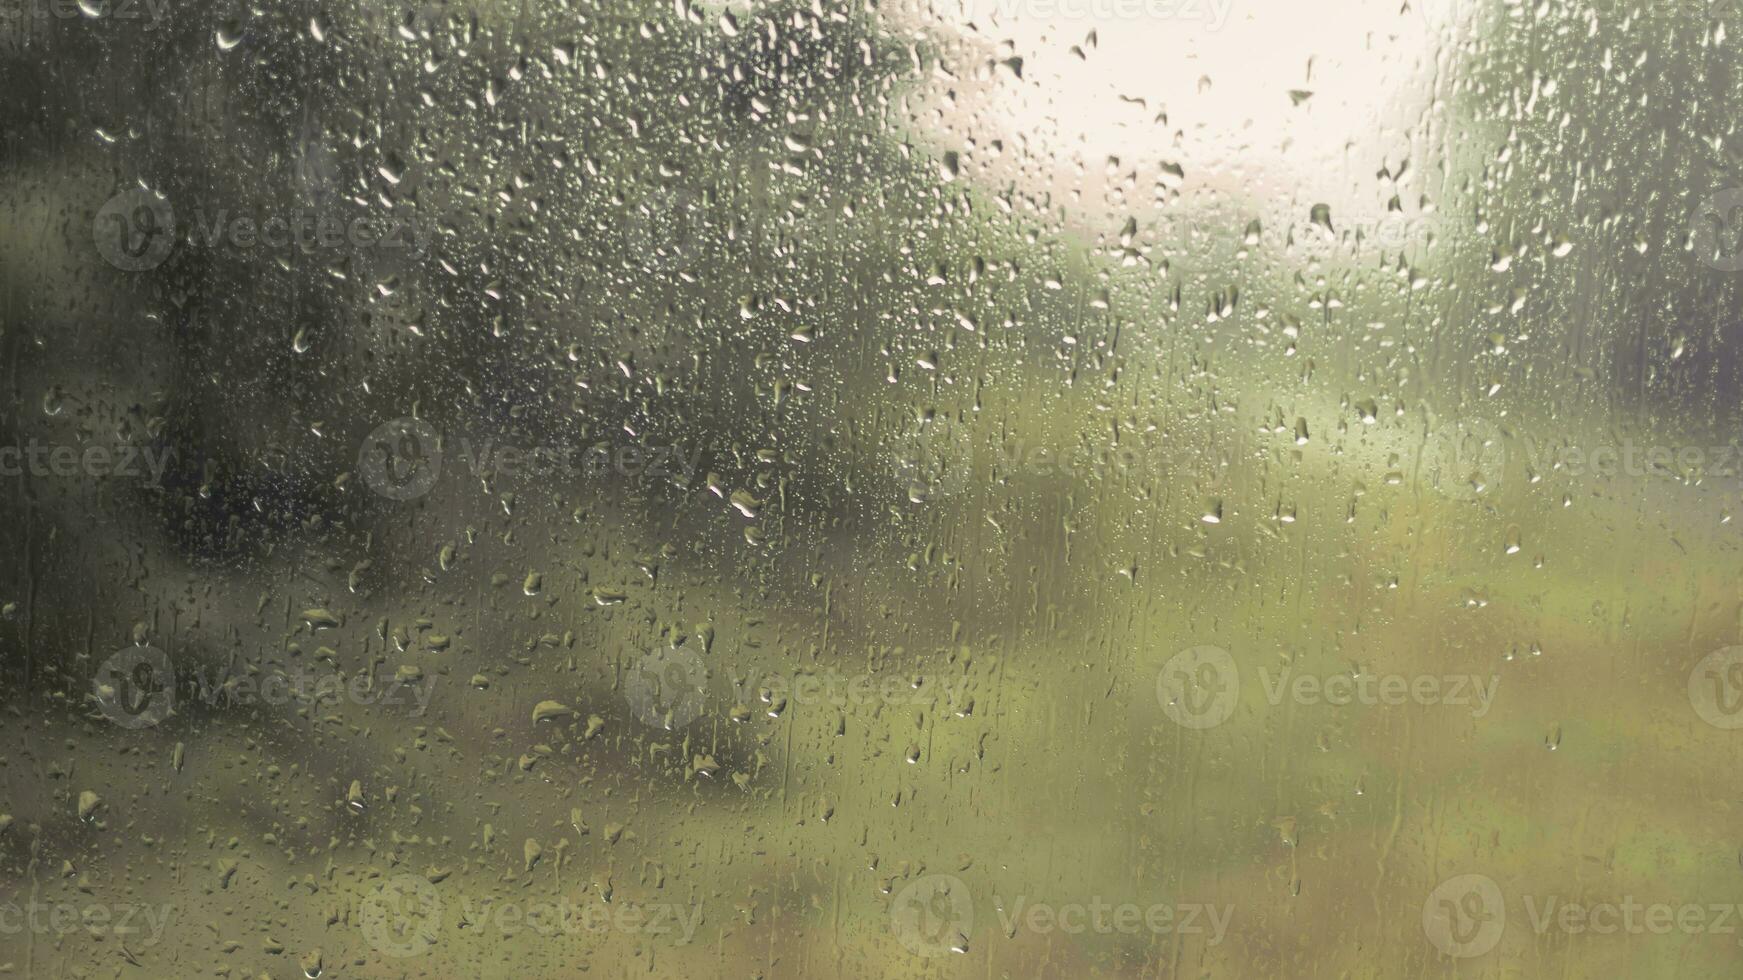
841, 488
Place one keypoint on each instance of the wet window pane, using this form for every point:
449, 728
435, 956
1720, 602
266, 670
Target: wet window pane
830, 488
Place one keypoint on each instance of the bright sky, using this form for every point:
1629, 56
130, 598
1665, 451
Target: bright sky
1205, 84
